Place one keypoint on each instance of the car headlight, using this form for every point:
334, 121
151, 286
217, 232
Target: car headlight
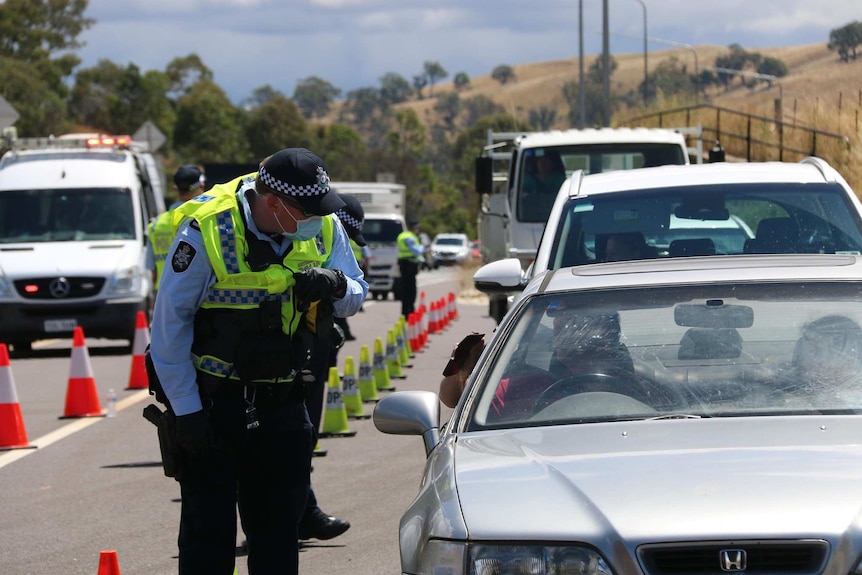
126, 281
511, 559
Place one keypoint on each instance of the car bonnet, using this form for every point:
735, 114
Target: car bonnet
663, 480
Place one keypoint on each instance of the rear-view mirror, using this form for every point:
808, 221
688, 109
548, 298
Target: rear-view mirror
715, 314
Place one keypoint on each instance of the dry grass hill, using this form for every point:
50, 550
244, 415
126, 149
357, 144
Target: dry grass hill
819, 91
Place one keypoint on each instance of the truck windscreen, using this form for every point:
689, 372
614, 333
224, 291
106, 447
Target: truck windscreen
543, 170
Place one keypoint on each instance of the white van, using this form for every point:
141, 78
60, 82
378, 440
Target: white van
73, 219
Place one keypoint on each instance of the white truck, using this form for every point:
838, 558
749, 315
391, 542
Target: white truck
515, 204
385, 207
73, 216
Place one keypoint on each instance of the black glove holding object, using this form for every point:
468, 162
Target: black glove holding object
314, 284
193, 432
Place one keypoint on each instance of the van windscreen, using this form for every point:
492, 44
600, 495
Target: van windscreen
66, 215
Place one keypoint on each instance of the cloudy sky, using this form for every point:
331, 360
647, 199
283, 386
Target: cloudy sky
352, 43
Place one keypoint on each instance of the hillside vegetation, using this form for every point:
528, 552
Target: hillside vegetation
820, 91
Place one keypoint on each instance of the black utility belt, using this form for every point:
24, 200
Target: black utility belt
267, 392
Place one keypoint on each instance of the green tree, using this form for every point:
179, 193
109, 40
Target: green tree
118, 100
542, 118
419, 83
846, 40
314, 96
503, 73
434, 72
185, 72
773, 67
461, 81
276, 124
209, 127
478, 107
595, 71
669, 77
42, 33
19, 81
447, 107
260, 96
343, 151
739, 60
595, 105
394, 88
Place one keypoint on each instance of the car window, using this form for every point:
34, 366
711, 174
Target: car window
716, 351
708, 220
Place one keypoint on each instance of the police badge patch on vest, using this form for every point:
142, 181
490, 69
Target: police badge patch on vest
183, 257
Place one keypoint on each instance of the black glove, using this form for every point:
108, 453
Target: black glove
336, 336
193, 432
314, 284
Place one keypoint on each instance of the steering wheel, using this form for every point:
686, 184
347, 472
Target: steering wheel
614, 380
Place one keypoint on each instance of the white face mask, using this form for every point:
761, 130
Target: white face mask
305, 229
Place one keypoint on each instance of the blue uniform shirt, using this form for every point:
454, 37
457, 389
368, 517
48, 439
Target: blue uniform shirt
181, 294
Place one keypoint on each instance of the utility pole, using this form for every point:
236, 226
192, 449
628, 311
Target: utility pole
646, 67
582, 96
606, 64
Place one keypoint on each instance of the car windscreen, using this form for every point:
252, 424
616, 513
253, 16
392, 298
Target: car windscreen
723, 350
543, 170
449, 242
50, 215
751, 218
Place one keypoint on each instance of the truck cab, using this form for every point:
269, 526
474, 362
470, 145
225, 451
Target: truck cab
519, 174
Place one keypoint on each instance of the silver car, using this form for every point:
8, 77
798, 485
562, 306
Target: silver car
661, 417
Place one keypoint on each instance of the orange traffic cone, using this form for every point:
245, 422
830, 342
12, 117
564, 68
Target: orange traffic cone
13, 435
82, 398
138, 375
109, 563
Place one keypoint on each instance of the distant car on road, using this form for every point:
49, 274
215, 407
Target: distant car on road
451, 248
689, 415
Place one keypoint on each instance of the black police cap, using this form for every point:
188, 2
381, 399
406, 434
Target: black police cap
352, 215
301, 175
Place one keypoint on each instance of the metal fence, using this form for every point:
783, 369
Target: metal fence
748, 136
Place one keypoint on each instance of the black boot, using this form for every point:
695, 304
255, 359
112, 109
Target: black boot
316, 524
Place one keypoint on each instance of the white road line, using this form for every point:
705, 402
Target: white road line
13, 455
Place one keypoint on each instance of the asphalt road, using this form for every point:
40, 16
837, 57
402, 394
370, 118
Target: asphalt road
95, 483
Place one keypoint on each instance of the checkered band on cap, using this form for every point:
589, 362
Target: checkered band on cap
318, 188
348, 220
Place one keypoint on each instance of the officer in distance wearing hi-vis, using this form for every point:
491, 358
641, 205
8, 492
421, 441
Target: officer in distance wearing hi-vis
189, 181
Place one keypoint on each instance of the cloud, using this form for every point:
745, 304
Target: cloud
352, 43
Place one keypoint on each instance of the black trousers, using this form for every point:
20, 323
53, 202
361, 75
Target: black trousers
265, 472
409, 270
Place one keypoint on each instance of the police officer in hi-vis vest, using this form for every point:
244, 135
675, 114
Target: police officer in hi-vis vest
258, 266
409, 257
189, 181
